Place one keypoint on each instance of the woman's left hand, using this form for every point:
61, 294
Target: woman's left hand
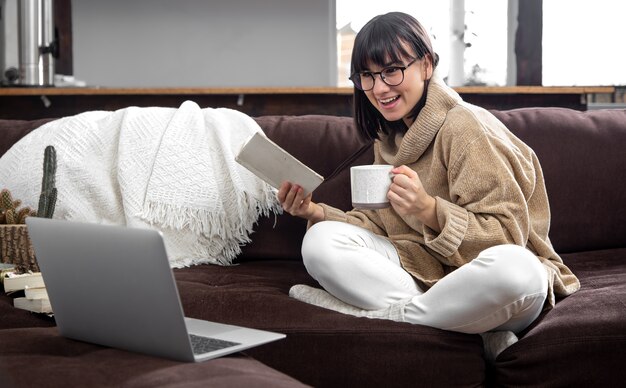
409, 198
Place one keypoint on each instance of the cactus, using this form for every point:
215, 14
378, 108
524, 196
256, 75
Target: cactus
6, 200
10, 212
10, 216
48, 197
23, 213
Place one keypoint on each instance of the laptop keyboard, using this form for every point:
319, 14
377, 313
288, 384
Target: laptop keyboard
202, 345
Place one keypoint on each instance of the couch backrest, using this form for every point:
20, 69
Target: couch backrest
13, 130
583, 156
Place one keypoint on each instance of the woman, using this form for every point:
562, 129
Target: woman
464, 245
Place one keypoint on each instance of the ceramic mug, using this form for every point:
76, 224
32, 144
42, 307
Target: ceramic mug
369, 186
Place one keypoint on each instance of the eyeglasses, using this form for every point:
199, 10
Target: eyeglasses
392, 76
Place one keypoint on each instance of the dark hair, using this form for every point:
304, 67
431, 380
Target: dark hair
379, 41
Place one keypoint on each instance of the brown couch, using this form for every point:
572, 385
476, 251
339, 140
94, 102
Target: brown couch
581, 342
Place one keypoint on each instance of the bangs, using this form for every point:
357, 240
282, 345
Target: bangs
385, 39
382, 48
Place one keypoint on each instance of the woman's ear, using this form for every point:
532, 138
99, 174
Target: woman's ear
428, 67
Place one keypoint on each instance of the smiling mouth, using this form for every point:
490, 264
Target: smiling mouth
388, 101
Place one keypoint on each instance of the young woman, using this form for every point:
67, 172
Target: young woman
464, 245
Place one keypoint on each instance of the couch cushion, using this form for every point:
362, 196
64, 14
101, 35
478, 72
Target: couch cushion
582, 341
34, 354
582, 156
15, 318
40, 357
14, 130
325, 348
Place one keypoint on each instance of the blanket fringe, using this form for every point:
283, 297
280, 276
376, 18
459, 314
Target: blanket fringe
223, 236
206, 222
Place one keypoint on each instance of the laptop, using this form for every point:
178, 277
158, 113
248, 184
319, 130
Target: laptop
113, 286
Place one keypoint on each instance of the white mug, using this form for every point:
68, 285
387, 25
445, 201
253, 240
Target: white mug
369, 185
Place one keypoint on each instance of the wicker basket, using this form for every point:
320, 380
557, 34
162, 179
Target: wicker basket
16, 248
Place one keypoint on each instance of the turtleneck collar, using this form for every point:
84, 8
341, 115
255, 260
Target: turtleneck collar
440, 98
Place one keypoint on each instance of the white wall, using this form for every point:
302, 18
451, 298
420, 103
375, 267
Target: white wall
205, 43
8, 36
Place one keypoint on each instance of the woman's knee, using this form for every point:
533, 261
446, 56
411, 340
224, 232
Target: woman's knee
317, 246
516, 269
316, 238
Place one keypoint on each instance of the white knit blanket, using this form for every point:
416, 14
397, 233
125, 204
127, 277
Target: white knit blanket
171, 169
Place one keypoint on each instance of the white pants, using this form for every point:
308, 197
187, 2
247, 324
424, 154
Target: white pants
504, 288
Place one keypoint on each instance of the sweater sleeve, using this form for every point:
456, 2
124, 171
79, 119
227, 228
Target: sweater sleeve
490, 183
454, 221
367, 219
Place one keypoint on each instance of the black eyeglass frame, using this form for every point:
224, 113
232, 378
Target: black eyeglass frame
356, 77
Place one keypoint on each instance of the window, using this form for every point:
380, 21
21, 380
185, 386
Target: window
583, 43
484, 37
581, 39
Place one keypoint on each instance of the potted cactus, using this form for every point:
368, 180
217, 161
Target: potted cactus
15, 246
48, 196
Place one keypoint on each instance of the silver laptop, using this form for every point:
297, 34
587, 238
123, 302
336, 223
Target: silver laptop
113, 286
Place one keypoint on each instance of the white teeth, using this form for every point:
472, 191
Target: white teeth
388, 100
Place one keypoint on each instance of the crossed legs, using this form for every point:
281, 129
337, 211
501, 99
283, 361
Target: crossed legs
504, 288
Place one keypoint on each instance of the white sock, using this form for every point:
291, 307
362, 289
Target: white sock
322, 298
495, 342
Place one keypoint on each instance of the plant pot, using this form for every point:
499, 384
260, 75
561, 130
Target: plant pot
16, 248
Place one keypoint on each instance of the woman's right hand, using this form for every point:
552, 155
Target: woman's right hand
293, 201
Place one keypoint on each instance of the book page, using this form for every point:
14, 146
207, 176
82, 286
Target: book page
274, 165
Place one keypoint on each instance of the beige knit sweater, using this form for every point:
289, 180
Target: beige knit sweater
488, 186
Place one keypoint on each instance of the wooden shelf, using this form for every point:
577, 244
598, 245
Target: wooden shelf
534, 89
32, 103
101, 91
97, 91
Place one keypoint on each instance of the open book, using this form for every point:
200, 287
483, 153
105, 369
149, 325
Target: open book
274, 165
